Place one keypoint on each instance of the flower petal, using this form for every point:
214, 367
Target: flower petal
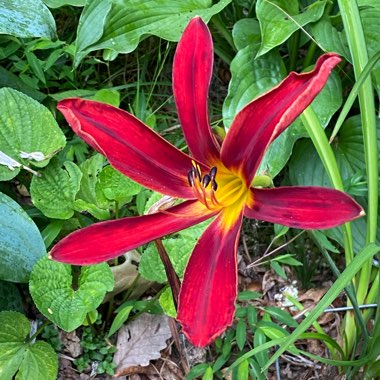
262, 120
192, 70
131, 147
107, 240
207, 298
303, 207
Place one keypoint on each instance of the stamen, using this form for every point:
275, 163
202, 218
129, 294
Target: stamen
206, 180
213, 172
214, 185
190, 177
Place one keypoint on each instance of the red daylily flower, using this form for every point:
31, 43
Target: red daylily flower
215, 181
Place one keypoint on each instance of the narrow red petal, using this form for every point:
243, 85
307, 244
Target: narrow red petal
192, 70
208, 293
131, 147
106, 240
262, 120
303, 207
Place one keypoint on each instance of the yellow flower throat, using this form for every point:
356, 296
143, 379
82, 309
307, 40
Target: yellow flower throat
219, 189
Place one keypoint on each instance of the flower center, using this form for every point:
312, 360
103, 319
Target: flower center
216, 191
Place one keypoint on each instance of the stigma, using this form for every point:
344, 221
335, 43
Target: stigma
204, 186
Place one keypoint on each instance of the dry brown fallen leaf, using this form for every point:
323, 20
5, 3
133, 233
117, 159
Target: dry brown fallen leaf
140, 341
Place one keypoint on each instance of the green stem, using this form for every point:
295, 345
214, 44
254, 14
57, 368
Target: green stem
293, 43
38, 332
355, 36
317, 134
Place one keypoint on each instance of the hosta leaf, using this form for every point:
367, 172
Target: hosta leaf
178, 249
61, 3
26, 126
330, 39
120, 25
116, 186
51, 287
246, 32
10, 298
21, 244
32, 361
54, 192
26, 18
283, 17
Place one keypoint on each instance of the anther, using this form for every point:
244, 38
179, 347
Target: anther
190, 177
213, 172
206, 180
214, 185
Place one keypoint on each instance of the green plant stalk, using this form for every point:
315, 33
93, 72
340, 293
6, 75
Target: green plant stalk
355, 36
317, 134
220, 26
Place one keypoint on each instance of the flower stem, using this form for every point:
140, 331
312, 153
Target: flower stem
170, 272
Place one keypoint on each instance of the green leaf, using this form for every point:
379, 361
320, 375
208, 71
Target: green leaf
356, 264
51, 231
248, 295
283, 17
259, 339
278, 269
120, 25
287, 259
241, 334
26, 18
8, 79
330, 39
51, 287
61, 3
178, 249
54, 192
21, 244
10, 298
246, 32
108, 96
242, 370
167, 303
26, 126
36, 361
121, 316
281, 316
115, 186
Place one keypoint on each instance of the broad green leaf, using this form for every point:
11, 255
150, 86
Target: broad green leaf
31, 361
246, 32
26, 18
279, 19
26, 126
167, 303
108, 96
21, 244
116, 186
61, 3
120, 25
242, 370
178, 249
346, 276
10, 298
91, 169
54, 192
330, 39
51, 287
